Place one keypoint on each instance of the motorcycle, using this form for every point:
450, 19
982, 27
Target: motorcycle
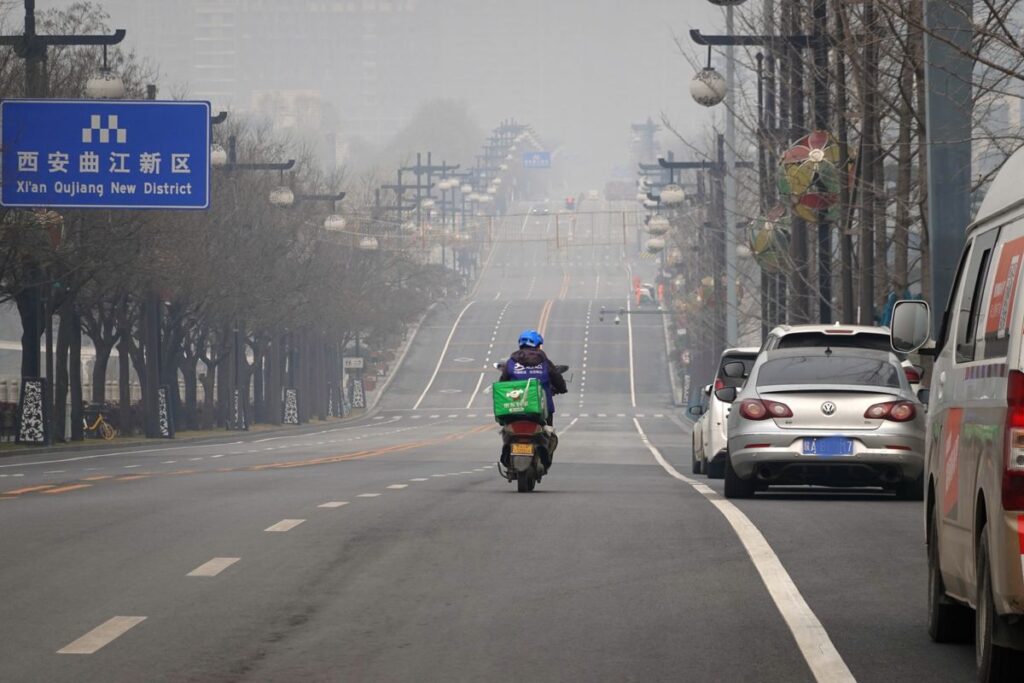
526, 445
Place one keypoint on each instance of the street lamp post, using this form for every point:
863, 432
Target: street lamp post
33, 48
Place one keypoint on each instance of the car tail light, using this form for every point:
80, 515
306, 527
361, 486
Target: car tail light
894, 411
719, 383
913, 376
762, 409
1013, 467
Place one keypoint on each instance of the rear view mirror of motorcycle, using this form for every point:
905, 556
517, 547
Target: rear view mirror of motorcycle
496, 366
562, 369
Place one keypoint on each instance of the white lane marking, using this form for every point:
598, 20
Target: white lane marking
100, 636
569, 426
416, 417
55, 472
165, 462
219, 455
479, 382
420, 479
367, 495
285, 525
434, 417
439, 475
440, 358
398, 486
128, 467
214, 566
821, 655
629, 328
333, 504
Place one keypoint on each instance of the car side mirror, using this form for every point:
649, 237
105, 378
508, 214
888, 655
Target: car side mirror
911, 326
696, 411
707, 389
923, 395
727, 394
734, 370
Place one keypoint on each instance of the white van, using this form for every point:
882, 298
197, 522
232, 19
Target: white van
974, 445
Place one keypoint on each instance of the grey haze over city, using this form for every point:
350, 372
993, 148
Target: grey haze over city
578, 70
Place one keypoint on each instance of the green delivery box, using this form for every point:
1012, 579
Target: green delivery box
519, 397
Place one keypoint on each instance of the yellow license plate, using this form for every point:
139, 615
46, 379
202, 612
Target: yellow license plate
522, 449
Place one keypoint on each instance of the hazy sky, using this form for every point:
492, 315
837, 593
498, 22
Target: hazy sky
580, 71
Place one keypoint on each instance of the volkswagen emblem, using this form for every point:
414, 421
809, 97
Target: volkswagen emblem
828, 407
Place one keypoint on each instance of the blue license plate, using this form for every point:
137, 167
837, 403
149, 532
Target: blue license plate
828, 445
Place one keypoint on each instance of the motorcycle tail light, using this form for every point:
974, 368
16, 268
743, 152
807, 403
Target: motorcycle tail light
524, 427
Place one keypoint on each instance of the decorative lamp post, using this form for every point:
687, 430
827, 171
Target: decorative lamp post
335, 223
105, 84
708, 87
369, 243
282, 196
467, 189
218, 155
658, 225
655, 245
672, 195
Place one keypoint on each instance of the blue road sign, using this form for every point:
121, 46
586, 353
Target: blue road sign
536, 159
105, 154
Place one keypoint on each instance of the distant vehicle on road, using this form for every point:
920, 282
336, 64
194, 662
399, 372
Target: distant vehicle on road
974, 504
715, 438
700, 412
823, 416
593, 196
540, 211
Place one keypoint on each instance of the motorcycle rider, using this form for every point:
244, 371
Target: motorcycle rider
530, 362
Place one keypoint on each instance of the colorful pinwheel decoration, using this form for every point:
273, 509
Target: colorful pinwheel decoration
769, 240
810, 177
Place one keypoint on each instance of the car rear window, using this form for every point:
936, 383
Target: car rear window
829, 369
863, 340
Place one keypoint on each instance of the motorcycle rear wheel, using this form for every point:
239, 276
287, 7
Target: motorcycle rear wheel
524, 482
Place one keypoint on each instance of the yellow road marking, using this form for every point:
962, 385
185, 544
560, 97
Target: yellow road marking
97, 477
27, 489
69, 487
132, 477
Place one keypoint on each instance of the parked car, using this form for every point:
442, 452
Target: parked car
715, 446
829, 417
974, 453
700, 412
836, 336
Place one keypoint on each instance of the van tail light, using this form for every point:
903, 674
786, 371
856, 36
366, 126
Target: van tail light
913, 376
1013, 465
894, 411
719, 383
762, 409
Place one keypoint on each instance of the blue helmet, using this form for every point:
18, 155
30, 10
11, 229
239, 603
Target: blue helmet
530, 338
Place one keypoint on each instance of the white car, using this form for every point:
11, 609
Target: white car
715, 439
700, 411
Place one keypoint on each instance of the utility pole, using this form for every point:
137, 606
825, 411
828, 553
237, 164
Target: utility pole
32, 48
948, 70
729, 208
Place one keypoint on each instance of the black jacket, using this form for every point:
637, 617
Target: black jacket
532, 357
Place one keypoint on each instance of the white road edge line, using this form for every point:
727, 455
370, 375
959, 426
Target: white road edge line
444, 352
285, 525
214, 566
821, 655
629, 328
479, 383
100, 636
569, 426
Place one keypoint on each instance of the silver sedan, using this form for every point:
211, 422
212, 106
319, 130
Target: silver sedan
829, 417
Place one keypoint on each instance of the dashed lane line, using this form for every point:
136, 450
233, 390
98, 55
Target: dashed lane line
101, 636
285, 525
398, 487
420, 479
333, 504
367, 495
819, 652
213, 567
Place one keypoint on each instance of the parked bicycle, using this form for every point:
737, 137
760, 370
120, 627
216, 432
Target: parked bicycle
100, 427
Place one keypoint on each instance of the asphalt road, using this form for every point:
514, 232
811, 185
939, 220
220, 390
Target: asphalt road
388, 549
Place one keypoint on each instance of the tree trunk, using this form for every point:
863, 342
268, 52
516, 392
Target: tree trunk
75, 371
60, 386
190, 417
124, 386
99, 371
